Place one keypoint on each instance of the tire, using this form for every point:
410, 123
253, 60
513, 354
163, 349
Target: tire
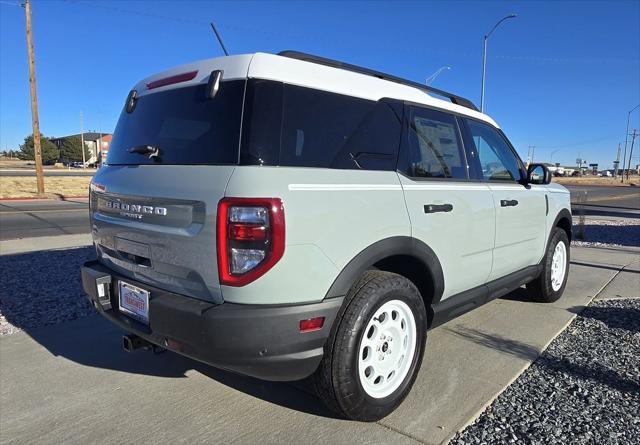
547, 288
382, 310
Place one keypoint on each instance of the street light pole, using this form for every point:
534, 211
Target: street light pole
626, 139
432, 77
552, 153
484, 57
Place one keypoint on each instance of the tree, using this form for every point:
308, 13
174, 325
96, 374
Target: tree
49, 150
71, 149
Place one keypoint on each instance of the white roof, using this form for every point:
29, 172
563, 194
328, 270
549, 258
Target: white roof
307, 74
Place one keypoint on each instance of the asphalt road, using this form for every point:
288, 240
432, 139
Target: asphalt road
48, 172
72, 383
24, 219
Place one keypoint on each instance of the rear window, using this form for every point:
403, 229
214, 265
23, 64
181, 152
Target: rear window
184, 125
288, 125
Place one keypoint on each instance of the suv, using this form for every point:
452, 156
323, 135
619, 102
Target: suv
286, 216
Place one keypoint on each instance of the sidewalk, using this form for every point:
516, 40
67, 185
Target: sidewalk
71, 382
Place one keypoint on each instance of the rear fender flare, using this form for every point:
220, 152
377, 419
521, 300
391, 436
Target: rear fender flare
397, 245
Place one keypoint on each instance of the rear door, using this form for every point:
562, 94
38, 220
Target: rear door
153, 206
452, 215
520, 209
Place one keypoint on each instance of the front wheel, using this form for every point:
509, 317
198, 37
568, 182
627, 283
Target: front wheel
549, 286
375, 348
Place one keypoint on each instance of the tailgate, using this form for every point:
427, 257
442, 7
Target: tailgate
157, 225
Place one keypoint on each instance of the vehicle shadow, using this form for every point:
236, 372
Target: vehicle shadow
41, 294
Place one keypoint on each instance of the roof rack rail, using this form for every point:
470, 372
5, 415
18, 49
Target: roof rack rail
358, 69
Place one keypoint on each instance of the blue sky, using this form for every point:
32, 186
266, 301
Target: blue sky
561, 76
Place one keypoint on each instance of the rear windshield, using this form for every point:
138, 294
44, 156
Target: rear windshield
184, 125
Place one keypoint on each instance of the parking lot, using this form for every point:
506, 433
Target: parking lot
81, 387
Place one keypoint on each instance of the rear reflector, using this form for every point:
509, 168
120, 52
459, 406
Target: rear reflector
171, 80
247, 232
312, 324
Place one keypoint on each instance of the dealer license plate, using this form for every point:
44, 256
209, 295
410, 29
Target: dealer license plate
134, 302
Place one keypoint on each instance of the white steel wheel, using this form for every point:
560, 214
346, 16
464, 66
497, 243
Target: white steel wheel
387, 349
558, 266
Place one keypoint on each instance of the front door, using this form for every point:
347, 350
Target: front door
520, 209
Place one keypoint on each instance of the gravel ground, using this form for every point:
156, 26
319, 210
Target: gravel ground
585, 387
599, 232
42, 288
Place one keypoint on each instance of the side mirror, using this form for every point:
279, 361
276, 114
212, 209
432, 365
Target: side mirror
538, 174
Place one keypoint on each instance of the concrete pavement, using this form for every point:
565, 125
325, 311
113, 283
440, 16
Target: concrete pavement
72, 383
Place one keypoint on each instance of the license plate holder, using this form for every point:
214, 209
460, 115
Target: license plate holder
134, 301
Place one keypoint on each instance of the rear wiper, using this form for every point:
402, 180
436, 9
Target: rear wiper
147, 150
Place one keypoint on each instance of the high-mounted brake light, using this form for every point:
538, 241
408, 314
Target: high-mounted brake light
250, 238
171, 80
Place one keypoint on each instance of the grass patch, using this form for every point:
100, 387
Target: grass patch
55, 187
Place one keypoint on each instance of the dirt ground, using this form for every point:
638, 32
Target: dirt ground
597, 180
55, 187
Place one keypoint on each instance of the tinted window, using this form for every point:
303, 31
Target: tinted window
187, 127
496, 159
288, 125
434, 149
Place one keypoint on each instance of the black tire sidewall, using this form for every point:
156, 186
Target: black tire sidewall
361, 404
549, 294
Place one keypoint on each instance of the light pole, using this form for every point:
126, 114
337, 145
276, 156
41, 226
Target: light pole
552, 153
484, 56
626, 139
432, 77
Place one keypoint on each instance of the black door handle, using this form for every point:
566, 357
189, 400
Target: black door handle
433, 208
508, 202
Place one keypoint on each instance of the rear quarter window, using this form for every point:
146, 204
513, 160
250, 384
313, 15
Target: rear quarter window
184, 125
289, 125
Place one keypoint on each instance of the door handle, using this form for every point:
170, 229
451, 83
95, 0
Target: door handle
433, 208
508, 202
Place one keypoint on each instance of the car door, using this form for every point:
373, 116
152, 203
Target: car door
520, 207
452, 215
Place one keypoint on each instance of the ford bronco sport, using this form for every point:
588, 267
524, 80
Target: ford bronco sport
286, 216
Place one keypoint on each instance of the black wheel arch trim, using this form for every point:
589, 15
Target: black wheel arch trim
563, 214
396, 245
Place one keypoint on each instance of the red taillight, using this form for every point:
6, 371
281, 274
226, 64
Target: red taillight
250, 238
312, 324
247, 232
171, 80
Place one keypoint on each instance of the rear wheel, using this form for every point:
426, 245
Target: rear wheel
549, 286
375, 348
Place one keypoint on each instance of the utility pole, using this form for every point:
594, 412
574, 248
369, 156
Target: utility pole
82, 141
532, 148
35, 123
616, 163
633, 139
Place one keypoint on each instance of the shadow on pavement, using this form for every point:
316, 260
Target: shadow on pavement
554, 360
628, 235
41, 289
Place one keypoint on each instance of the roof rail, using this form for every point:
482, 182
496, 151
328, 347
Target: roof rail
358, 69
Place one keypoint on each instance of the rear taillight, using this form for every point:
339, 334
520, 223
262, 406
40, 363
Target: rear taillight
250, 238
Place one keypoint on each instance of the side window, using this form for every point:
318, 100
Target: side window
496, 159
434, 149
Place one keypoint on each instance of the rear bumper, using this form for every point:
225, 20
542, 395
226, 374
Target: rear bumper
255, 340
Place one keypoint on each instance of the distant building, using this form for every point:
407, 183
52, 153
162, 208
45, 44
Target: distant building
97, 143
